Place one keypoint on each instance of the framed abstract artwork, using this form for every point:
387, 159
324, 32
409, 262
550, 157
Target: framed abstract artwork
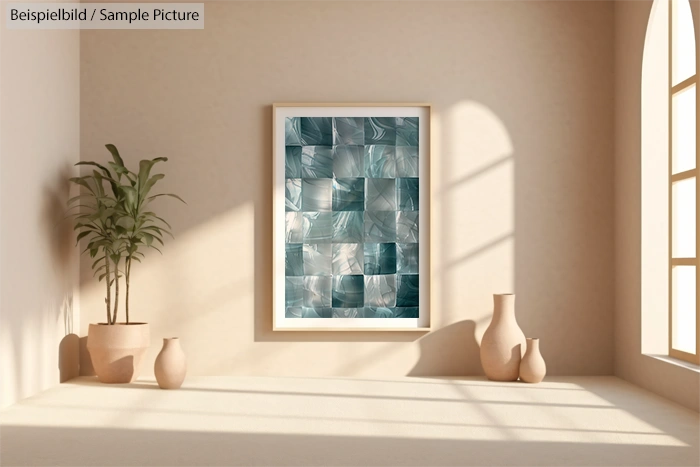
351, 217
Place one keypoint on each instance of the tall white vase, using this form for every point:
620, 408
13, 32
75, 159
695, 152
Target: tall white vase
503, 344
532, 367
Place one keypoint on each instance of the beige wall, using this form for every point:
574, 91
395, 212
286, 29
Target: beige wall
523, 164
39, 143
667, 379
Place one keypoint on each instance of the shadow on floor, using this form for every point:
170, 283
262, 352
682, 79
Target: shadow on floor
98, 446
341, 395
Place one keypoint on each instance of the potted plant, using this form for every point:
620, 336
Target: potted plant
116, 221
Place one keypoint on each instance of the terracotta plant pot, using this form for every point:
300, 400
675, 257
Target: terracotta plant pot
503, 343
532, 367
171, 365
117, 350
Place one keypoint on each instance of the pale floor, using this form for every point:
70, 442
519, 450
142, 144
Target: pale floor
336, 421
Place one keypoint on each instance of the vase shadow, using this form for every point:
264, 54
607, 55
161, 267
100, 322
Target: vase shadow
69, 357
452, 350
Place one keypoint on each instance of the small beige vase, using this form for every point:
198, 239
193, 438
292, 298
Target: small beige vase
532, 367
503, 343
117, 350
171, 365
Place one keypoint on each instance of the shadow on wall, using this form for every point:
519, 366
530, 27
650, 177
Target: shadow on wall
69, 358
58, 230
449, 351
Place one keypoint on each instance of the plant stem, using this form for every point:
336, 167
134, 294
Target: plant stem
116, 292
127, 276
108, 300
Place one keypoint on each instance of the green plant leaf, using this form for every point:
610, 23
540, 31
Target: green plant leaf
166, 194
119, 243
79, 197
153, 215
130, 198
145, 167
78, 206
149, 184
115, 154
105, 214
126, 222
121, 170
98, 183
82, 182
159, 230
104, 169
118, 169
82, 235
81, 225
103, 242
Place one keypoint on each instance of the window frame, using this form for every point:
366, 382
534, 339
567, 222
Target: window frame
682, 86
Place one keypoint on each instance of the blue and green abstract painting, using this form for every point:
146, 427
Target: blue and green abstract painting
351, 226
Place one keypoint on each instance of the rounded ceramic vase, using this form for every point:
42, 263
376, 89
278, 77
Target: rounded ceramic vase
532, 367
171, 364
503, 344
117, 350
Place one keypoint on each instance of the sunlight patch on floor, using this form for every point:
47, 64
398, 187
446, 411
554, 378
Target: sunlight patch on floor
405, 408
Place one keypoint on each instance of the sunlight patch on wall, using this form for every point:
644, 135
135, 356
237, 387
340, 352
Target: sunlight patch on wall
474, 211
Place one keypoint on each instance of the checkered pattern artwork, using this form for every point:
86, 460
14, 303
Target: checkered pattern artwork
351, 217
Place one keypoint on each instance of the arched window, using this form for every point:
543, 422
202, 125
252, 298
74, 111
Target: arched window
684, 325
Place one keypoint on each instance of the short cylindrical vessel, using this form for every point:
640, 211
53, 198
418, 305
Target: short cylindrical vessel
503, 343
171, 365
532, 367
117, 350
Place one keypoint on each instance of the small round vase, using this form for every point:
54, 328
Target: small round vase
503, 343
171, 365
532, 367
